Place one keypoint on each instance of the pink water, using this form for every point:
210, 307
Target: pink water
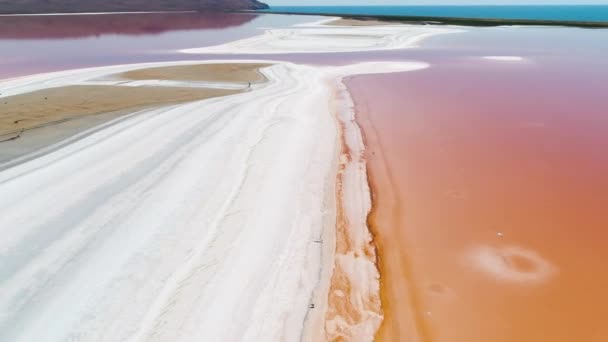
490, 183
35, 44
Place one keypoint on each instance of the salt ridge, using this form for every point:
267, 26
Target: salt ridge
195, 221
206, 210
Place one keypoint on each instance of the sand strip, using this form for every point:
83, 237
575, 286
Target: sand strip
108, 76
44, 111
217, 72
55, 105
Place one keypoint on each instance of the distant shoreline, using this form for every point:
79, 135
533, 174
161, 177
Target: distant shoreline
88, 13
479, 22
461, 21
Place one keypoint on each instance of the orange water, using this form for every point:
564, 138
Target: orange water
490, 184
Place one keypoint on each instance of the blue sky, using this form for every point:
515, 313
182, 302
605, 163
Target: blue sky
429, 2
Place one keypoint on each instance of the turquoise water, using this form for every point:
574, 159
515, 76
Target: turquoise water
547, 12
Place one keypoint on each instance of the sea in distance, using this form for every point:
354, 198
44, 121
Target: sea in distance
595, 13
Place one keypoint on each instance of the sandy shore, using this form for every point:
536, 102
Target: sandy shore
39, 113
242, 226
213, 213
206, 236
112, 75
216, 72
48, 106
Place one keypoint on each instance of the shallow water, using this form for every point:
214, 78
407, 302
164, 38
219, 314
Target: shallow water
490, 184
35, 44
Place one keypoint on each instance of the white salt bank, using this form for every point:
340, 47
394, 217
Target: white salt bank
504, 58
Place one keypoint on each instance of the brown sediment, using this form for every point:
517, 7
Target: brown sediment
43, 107
35, 120
399, 301
351, 311
227, 72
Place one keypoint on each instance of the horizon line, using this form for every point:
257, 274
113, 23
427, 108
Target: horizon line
426, 5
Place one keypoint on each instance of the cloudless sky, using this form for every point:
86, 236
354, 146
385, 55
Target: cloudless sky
430, 2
